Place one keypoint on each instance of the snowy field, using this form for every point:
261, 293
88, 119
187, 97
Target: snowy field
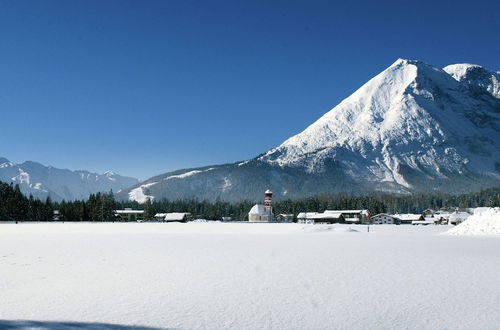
246, 276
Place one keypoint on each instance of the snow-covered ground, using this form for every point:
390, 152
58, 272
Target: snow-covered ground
246, 276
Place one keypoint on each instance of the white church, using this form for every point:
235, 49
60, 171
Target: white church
259, 212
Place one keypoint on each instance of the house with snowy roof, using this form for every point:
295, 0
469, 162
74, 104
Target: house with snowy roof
325, 217
173, 217
353, 216
384, 219
128, 214
285, 217
409, 217
457, 217
426, 221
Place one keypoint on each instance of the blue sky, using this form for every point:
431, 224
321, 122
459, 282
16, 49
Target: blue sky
145, 87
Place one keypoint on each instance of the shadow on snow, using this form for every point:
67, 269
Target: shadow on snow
59, 325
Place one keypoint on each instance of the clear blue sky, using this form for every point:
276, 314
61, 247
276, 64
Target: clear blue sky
145, 87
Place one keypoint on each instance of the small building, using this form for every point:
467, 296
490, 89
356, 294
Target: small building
425, 222
173, 217
428, 213
384, 219
306, 217
325, 217
353, 216
258, 213
442, 217
160, 216
285, 217
56, 215
408, 218
129, 215
457, 218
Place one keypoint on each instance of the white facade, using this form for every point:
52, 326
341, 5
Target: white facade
326, 217
130, 215
259, 213
383, 219
409, 218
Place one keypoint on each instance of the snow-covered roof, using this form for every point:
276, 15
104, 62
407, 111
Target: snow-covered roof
347, 211
409, 217
317, 215
382, 215
129, 211
268, 191
176, 216
258, 209
306, 215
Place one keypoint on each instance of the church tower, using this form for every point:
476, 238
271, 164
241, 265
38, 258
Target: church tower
268, 203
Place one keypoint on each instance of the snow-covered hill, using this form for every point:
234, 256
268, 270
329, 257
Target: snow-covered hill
42, 181
411, 128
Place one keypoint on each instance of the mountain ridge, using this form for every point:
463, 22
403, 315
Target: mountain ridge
411, 128
60, 184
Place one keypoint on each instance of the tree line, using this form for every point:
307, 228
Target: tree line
15, 206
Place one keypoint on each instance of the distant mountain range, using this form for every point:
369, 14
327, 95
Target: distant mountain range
43, 181
412, 128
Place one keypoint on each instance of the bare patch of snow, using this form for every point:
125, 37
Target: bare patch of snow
138, 195
187, 174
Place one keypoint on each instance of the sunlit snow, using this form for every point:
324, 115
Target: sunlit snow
207, 275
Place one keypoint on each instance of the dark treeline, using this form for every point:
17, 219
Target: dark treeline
99, 207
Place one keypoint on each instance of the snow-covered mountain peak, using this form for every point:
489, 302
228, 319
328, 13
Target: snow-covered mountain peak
476, 76
412, 128
4, 162
411, 114
379, 110
459, 70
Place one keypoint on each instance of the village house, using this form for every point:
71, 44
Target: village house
384, 219
325, 217
173, 217
354, 216
129, 215
284, 217
408, 218
426, 221
442, 217
457, 217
